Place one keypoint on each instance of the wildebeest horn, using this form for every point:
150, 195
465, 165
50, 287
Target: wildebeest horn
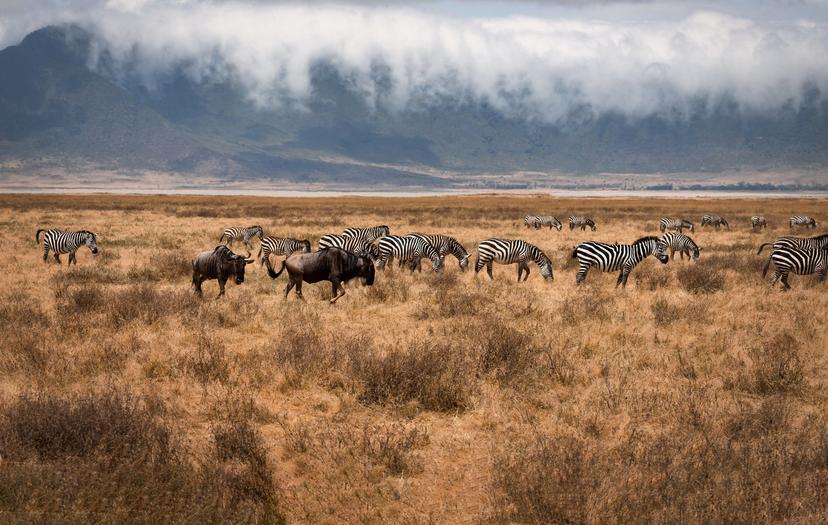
249, 261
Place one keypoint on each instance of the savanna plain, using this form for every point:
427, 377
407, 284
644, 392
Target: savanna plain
695, 395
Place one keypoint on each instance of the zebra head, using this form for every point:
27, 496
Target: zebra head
659, 248
91, 242
437, 263
464, 262
304, 246
546, 269
256, 231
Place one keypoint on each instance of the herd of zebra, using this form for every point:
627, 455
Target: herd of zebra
798, 255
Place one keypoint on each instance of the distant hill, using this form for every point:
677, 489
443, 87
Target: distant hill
53, 106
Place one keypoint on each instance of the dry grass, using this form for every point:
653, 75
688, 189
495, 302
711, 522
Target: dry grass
695, 395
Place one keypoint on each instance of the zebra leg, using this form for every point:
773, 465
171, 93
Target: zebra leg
785, 281
776, 278
582, 273
57, 257
526, 270
45, 253
520, 271
623, 276
72, 259
489, 269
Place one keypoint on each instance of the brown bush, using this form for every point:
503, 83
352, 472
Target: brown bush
589, 304
162, 266
208, 362
777, 367
701, 278
23, 341
439, 377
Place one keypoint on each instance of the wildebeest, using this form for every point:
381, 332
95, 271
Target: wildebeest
328, 264
221, 264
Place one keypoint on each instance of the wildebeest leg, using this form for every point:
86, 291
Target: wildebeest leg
489, 269
221, 282
288, 287
335, 284
197, 283
299, 288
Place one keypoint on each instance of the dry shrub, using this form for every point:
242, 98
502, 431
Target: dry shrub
664, 313
589, 304
542, 479
437, 376
87, 274
109, 458
507, 353
703, 277
23, 342
208, 361
123, 305
385, 290
162, 266
776, 365
653, 278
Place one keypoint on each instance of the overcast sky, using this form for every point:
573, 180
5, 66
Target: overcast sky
537, 59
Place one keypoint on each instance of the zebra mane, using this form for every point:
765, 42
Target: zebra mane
648, 238
87, 232
255, 227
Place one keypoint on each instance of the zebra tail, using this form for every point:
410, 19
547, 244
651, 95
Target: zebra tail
37, 236
271, 273
575, 253
762, 247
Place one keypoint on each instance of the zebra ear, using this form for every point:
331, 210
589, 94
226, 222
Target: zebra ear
700, 248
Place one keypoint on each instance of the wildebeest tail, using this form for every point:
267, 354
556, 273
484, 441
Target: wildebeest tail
762, 247
37, 235
271, 273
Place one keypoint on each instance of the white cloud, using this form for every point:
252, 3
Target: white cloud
537, 67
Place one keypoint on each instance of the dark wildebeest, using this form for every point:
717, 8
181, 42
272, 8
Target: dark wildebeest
221, 264
328, 264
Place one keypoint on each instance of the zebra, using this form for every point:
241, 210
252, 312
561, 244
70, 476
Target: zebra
758, 222
355, 245
511, 251
820, 242
60, 241
242, 234
800, 262
678, 242
553, 222
583, 222
532, 221
369, 234
675, 225
613, 257
715, 221
444, 245
281, 246
409, 248
802, 220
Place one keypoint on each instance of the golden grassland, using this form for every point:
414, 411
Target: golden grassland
697, 394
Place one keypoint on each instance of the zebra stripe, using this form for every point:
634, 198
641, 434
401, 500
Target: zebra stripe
59, 241
678, 242
367, 234
281, 246
445, 245
511, 251
802, 220
581, 222
355, 245
800, 262
614, 257
408, 248
532, 221
715, 221
758, 222
242, 234
675, 224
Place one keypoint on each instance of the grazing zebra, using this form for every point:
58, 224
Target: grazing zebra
675, 224
355, 245
408, 248
532, 221
368, 234
583, 222
242, 234
614, 257
511, 251
282, 246
715, 221
444, 245
537, 221
758, 222
678, 242
800, 262
820, 242
60, 241
801, 220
